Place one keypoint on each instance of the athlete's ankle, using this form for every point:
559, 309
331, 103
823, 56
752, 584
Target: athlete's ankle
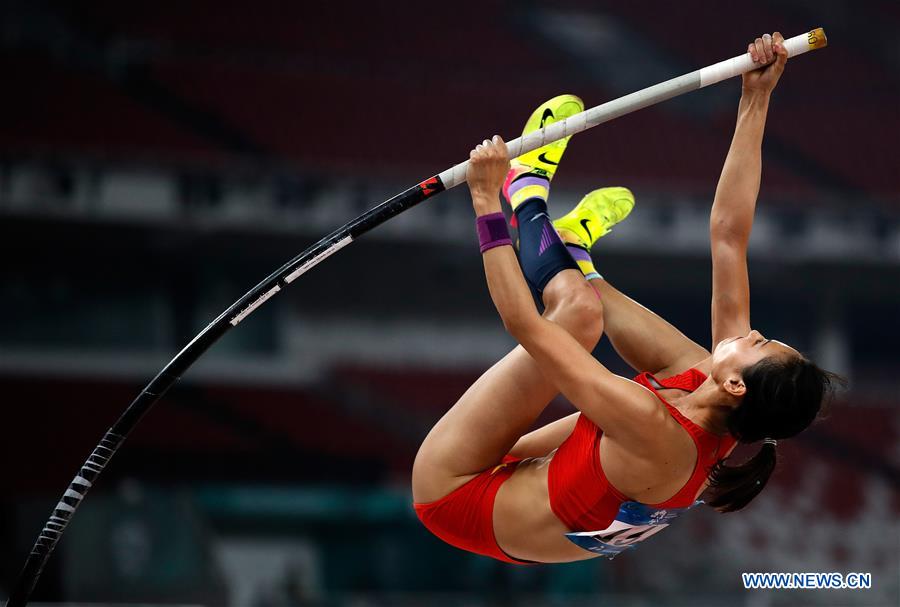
522, 186
583, 258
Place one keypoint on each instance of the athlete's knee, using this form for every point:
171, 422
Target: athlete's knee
586, 309
433, 474
579, 309
423, 472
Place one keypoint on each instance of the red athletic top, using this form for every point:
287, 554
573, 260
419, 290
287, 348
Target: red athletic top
580, 494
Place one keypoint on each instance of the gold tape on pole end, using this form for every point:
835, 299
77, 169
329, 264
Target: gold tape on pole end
816, 39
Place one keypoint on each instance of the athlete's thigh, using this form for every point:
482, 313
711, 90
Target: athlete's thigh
482, 426
645, 340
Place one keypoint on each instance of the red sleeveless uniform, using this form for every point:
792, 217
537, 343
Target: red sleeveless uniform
601, 518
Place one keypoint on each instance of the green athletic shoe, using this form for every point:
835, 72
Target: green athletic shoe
543, 161
595, 215
547, 158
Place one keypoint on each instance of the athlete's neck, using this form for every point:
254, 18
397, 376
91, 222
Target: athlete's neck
705, 407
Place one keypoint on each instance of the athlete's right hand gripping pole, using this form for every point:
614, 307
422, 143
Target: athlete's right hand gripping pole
651, 95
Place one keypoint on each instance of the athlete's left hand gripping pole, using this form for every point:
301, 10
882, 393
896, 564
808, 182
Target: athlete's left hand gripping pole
326, 247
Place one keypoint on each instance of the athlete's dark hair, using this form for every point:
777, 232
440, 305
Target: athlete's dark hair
783, 397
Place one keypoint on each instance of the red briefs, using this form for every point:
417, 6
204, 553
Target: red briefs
465, 517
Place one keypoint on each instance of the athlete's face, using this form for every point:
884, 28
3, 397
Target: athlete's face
731, 356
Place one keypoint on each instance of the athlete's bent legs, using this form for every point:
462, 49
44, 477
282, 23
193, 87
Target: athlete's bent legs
503, 403
642, 338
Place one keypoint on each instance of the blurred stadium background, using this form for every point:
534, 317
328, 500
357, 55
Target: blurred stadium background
157, 160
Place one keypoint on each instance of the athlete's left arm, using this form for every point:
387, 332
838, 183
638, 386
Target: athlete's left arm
731, 218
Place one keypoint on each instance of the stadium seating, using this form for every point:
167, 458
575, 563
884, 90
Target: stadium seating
283, 78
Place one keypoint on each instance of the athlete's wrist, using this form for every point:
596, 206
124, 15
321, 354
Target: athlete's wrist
485, 204
753, 108
755, 96
492, 231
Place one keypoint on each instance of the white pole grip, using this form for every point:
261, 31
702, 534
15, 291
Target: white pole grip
651, 95
744, 63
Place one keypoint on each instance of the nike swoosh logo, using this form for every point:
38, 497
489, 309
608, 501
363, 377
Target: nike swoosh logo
543, 158
548, 113
584, 223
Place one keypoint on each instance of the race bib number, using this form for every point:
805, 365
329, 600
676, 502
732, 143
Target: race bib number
634, 523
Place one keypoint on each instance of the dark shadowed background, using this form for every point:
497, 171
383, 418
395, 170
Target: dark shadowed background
158, 159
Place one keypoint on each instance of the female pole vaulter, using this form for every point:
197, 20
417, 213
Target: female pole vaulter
639, 451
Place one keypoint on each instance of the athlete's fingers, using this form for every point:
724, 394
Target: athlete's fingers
781, 56
767, 47
501, 145
489, 150
751, 48
760, 51
778, 46
781, 61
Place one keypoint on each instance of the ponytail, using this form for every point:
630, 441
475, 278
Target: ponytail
732, 487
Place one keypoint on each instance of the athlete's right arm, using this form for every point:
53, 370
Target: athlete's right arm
625, 410
731, 218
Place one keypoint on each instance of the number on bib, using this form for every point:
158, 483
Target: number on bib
634, 523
